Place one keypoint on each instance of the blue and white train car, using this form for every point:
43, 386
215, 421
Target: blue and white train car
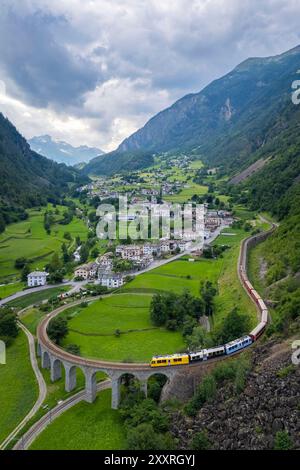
238, 344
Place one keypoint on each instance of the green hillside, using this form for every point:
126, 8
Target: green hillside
26, 178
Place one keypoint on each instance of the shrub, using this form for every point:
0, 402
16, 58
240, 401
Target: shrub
200, 441
58, 329
282, 441
73, 349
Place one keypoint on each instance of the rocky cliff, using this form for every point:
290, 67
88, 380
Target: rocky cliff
269, 403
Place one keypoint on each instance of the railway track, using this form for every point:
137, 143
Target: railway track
38, 427
64, 355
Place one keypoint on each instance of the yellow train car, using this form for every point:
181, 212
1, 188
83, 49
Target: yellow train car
173, 360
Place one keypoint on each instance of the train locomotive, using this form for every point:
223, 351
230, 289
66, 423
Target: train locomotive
233, 346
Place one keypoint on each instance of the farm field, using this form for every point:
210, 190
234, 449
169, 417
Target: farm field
94, 329
230, 291
186, 193
37, 297
177, 276
29, 239
85, 427
8, 289
18, 387
196, 165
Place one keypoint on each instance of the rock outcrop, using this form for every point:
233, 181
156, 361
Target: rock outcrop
269, 403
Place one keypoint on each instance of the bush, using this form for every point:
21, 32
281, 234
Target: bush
73, 349
200, 441
205, 392
143, 437
282, 441
58, 329
8, 340
234, 326
8, 323
20, 263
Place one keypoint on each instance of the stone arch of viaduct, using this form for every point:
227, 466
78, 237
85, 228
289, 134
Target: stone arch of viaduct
57, 362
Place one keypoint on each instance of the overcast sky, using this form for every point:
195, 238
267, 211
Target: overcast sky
92, 72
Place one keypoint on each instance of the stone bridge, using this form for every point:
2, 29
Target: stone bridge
115, 371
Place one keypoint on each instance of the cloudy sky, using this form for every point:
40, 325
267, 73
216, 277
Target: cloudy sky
92, 72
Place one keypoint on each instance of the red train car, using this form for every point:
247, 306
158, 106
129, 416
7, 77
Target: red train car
261, 305
258, 331
248, 286
255, 296
265, 315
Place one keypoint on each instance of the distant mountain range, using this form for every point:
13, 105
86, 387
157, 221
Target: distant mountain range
229, 122
61, 151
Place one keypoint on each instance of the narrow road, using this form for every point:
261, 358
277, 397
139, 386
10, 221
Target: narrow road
41, 384
54, 413
22, 293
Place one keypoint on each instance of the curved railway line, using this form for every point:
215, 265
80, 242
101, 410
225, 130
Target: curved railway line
61, 354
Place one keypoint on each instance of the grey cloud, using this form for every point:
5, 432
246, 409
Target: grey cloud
42, 69
65, 55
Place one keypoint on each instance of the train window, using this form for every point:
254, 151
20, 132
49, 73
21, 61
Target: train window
164, 361
158, 362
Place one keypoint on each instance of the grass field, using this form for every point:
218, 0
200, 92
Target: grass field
85, 427
8, 289
93, 329
18, 387
36, 297
173, 276
32, 318
186, 193
30, 240
230, 291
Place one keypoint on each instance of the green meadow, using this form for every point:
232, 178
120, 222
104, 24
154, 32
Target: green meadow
18, 387
231, 293
94, 329
8, 289
186, 193
177, 276
85, 427
29, 239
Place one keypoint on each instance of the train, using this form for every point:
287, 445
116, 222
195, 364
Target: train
232, 347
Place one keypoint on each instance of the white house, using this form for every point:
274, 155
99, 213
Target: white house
130, 252
37, 278
165, 247
111, 280
150, 249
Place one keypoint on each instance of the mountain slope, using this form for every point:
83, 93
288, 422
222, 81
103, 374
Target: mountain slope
230, 118
119, 162
26, 178
61, 151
